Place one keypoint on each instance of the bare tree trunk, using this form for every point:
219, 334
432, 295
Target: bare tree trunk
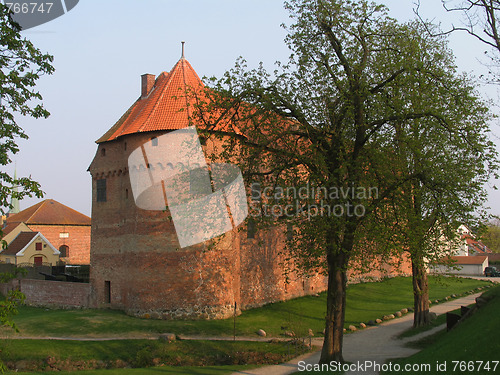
421, 315
335, 312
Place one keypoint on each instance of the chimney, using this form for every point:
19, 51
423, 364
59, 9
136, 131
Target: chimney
147, 83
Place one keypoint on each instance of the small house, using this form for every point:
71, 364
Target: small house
30, 248
467, 265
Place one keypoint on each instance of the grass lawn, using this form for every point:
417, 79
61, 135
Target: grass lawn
366, 301
188, 370
472, 341
62, 355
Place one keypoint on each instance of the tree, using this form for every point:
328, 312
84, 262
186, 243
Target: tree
324, 125
21, 65
491, 236
480, 19
450, 158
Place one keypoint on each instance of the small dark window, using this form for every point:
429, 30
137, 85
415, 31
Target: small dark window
103, 152
38, 246
289, 231
154, 141
251, 228
125, 146
64, 250
101, 190
126, 193
107, 291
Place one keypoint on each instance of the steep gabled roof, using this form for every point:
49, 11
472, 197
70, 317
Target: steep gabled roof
477, 246
9, 227
48, 212
23, 240
166, 107
19, 243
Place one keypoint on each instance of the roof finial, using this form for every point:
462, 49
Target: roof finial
182, 49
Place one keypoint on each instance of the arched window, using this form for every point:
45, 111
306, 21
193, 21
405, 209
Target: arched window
64, 250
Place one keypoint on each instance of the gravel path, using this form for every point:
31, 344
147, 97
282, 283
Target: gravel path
378, 344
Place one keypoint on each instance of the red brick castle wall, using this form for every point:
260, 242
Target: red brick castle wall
138, 266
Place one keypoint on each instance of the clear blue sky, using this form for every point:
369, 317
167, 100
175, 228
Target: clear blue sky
102, 47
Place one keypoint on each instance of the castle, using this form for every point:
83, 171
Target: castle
137, 263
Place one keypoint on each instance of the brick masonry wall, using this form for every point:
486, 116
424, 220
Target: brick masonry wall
51, 293
136, 254
78, 240
263, 278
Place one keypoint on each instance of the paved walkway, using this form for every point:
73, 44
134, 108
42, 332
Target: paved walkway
379, 343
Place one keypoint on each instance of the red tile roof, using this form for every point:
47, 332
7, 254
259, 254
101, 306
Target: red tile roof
47, 212
19, 243
167, 107
478, 259
477, 246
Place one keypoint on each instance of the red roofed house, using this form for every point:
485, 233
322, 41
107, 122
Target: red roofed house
469, 245
64, 228
476, 247
469, 265
30, 248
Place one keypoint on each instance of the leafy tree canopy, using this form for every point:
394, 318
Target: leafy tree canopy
21, 65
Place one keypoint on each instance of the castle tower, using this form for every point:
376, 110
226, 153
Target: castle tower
137, 263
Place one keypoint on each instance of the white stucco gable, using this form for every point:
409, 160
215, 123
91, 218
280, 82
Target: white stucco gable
42, 237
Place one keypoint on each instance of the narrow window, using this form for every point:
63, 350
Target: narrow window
154, 141
125, 146
101, 190
251, 228
103, 152
107, 291
38, 246
126, 193
64, 250
289, 231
